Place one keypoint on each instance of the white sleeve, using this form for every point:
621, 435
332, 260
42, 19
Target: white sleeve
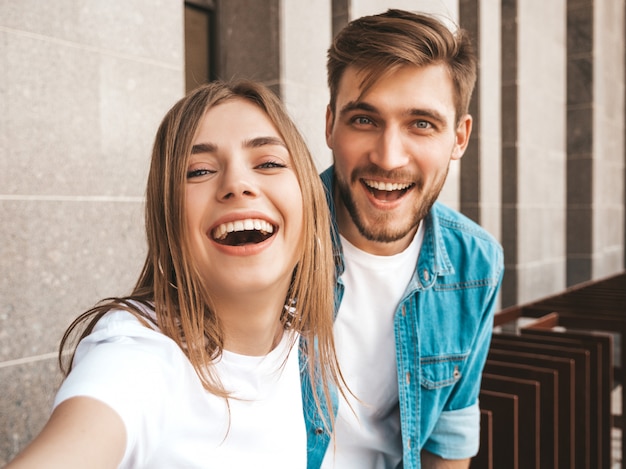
129, 374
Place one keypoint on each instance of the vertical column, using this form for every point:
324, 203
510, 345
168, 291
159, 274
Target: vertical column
509, 176
595, 139
341, 14
534, 166
580, 127
608, 139
480, 166
490, 116
249, 41
305, 36
470, 187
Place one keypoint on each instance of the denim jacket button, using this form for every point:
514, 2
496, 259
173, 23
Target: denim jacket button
319, 430
408, 378
426, 275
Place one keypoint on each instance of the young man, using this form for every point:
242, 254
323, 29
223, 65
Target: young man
417, 281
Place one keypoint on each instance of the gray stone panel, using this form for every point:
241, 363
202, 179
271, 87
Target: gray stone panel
27, 392
57, 260
83, 87
142, 29
87, 127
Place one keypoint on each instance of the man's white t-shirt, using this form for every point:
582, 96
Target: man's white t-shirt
171, 420
368, 436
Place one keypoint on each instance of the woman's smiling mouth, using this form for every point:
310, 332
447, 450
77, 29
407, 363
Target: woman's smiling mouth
241, 232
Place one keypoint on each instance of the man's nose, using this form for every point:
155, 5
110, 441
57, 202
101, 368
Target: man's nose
390, 152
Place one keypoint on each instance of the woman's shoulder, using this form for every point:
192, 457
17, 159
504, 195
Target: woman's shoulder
130, 336
132, 319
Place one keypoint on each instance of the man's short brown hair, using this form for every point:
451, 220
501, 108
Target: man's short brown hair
379, 44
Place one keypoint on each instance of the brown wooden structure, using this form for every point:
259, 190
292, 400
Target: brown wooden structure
550, 373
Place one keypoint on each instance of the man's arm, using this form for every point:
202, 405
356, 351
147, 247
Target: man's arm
431, 461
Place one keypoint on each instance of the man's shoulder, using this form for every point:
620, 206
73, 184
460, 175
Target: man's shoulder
463, 237
450, 220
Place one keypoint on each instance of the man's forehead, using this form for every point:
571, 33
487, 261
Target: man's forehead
406, 89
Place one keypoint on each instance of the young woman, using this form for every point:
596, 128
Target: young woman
200, 365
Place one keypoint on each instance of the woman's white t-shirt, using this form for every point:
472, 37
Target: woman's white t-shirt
171, 420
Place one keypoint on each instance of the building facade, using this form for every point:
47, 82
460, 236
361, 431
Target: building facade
84, 84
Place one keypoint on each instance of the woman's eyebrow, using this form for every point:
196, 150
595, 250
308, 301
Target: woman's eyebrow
262, 141
250, 143
203, 148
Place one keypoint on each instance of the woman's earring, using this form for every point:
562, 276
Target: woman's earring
290, 312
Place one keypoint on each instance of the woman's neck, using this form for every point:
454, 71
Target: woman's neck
251, 325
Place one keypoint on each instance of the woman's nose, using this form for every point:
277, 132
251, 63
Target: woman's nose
236, 182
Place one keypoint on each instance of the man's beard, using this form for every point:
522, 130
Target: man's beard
381, 229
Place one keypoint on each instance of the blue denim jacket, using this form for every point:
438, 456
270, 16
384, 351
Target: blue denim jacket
443, 329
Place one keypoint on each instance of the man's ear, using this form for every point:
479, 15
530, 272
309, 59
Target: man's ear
463, 132
330, 120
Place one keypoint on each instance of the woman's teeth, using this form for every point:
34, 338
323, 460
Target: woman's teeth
249, 224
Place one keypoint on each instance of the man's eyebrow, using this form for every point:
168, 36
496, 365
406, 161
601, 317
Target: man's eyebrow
203, 148
262, 141
431, 113
357, 106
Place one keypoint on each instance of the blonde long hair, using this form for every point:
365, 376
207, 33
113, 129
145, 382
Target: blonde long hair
171, 286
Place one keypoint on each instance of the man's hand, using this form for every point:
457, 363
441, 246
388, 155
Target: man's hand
431, 461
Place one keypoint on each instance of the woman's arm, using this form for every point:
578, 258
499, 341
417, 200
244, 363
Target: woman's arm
81, 432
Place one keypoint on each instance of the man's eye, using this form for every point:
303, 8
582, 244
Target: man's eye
194, 173
423, 125
362, 120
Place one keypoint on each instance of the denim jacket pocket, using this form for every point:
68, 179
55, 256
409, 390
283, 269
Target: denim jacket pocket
441, 371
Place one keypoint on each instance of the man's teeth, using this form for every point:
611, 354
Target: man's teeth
387, 186
249, 224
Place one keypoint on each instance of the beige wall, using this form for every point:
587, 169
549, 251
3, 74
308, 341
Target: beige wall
83, 86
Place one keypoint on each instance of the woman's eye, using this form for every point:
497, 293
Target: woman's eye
194, 173
271, 165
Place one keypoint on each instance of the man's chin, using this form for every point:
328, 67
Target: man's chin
375, 232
